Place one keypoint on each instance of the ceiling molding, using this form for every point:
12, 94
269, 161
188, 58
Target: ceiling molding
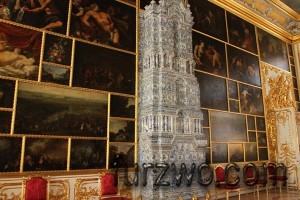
286, 9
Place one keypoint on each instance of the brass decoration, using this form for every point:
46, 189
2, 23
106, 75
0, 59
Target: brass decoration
85, 192
6, 194
194, 197
61, 192
298, 118
272, 135
139, 197
125, 191
180, 198
208, 195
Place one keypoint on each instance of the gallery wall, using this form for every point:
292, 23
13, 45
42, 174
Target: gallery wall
68, 83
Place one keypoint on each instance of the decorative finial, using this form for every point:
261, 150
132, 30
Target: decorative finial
194, 197
208, 195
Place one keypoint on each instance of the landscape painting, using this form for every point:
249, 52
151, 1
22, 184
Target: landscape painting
103, 69
121, 106
209, 18
107, 22
125, 155
19, 52
241, 33
236, 153
45, 110
88, 154
228, 127
121, 131
251, 152
243, 66
273, 50
45, 154
48, 15
209, 54
10, 148
214, 89
5, 121
55, 74
7, 91
219, 153
251, 100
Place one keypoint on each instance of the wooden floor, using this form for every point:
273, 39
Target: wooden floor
273, 195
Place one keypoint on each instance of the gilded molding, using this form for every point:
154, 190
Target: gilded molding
6, 194
62, 190
298, 118
85, 192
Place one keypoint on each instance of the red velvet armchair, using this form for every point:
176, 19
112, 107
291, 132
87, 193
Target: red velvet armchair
36, 188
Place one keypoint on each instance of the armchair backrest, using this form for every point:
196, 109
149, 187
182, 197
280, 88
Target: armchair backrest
36, 188
108, 184
220, 174
272, 169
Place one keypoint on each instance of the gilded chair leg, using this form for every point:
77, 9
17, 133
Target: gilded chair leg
239, 194
227, 196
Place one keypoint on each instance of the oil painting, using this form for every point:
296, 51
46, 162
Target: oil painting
260, 124
209, 55
234, 106
209, 18
125, 155
121, 106
55, 74
241, 33
262, 139
251, 122
236, 153
243, 66
207, 136
5, 121
273, 50
51, 15
205, 122
214, 89
88, 154
290, 49
252, 136
233, 90
45, 154
263, 154
144, 3
7, 91
60, 111
103, 69
228, 127
251, 100
251, 152
107, 22
19, 52
10, 148
219, 153
121, 131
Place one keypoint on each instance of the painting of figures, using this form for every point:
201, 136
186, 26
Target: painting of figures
260, 123
124, 154
45, 110
45, 154
19, 51
252, 136
5, 121
88, 154
228, 127
243, 66
121, 131
236, 153
232, 90
51, 15
209, 18
103, 69
263, 154
273, 50
7, 90
106, 22
54, 74
251, 100
234, 106
241, 33
58, 50
214, 89
251, 152
251, 122
10, 148
122, 107
209, 54
219, 153
262, 139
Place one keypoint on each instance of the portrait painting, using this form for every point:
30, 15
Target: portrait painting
234, 106
119, 29
241, 33
57, 50
19, 52
207, 156
251, 100
272, 50
55, 74
144, 3
121, 106
7, 91
10, 148
236, 152
121, 131
251, 122
209, 18
296, 94
103, 69
205, 121
124, 154
243, 66
219, 153
5, 121
88, 154
209, 54
232, 90
252, 136
228, 127
60, 111
207, 136
51, 15
251, 152
45, 154
260, 123
290, 49
263, 154
262, 139
214, 89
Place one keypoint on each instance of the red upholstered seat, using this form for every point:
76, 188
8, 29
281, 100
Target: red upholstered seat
36, 189
228, 187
